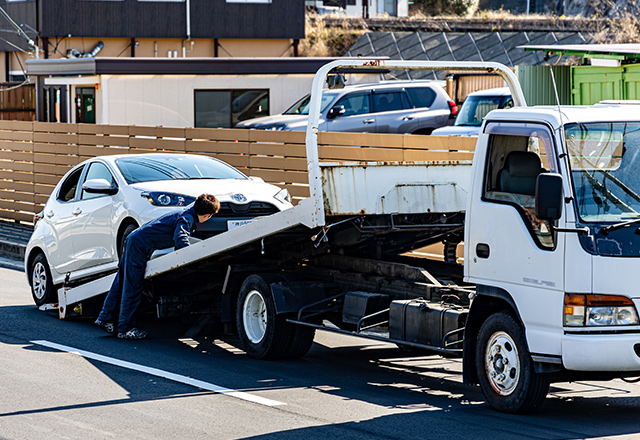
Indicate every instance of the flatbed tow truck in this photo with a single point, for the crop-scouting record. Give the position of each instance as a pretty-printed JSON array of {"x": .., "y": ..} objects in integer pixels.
[{"x": 545, "y": 292}]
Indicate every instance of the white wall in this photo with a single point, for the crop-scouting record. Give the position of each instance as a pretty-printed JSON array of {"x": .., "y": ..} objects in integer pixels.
[{"x": 168, "y": 100}]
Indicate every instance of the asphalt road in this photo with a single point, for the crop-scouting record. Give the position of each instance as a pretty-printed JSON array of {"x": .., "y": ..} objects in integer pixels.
[{"x": 345, "y": 388}]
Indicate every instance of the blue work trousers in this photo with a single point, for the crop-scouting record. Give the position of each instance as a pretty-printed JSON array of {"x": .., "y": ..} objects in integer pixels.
[{"x": 127, "y": 286}]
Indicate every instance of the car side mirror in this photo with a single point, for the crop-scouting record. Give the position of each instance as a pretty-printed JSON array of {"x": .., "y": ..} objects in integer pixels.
[
  {"x": 549, "y": 196},
  {"x": 99, "y": 186},
  {"x": 336, "y": 111}
]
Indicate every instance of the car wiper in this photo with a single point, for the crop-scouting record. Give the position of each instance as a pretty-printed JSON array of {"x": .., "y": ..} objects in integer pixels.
[{"x": 617, "y": 226}]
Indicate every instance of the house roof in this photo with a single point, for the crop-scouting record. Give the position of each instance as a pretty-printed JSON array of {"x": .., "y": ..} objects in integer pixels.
[
  {"x": 502, "y": 47},
  {"x": 177, "y": 66}
]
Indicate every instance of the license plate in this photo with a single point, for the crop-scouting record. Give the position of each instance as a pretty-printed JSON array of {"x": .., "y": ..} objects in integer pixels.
[{"x": 233, "y": 224}]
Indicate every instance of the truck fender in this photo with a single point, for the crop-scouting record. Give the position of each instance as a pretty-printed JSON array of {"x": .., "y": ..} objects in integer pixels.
[
  {"x": 488, "y": 300},
  {"x": 291, "y": 296}
]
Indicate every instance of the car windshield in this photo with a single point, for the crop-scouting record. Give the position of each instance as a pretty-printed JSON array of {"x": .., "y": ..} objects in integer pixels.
[
  {"x": 605, "y": 169},
  {"x": 174, "y": 167},
  {"x": 302, "y": 106},
  {"x": 475, "y": 108}
]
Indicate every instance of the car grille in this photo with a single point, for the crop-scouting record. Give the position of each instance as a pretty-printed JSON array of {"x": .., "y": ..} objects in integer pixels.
[{"x": 252, "y": 209}]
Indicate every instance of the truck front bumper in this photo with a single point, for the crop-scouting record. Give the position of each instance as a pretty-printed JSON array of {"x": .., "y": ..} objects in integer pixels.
[{"x": 589, "y": 352}]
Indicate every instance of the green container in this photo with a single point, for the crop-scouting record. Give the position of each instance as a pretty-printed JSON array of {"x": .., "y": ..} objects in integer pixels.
[{"x": 537, "y": 85}]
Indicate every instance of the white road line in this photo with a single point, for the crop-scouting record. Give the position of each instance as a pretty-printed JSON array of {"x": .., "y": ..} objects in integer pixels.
[{"x": 161, "y": 373}]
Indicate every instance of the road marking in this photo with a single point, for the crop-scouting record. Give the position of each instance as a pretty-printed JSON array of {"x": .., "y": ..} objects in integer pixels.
[{"x": 161, "y": 373}]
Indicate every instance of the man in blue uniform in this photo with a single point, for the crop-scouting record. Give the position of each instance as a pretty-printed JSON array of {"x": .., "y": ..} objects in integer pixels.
[{"x": 172, "y": 229}]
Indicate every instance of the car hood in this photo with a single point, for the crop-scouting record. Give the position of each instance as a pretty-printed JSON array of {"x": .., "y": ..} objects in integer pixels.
[
  {"x": 267, "y": 121},
  {"x": 457, "y": 131},
  {"x": 223, "y": 189}
]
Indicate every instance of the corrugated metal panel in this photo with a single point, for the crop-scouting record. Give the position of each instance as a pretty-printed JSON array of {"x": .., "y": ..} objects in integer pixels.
[
  {"x": 537, "y": 85},
  {"x": 594, "y": 84},
  {"x": 632, "y": 82},
  {"x": 460, "y": 85}
]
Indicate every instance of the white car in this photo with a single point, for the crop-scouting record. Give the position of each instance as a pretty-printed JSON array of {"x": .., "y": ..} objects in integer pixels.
[
  {"x": 83, "y": 226},
  {"x": 474, "y": 108}
]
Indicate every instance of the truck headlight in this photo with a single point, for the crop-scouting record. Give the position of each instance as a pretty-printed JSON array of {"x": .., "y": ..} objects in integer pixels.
[
  {"x": 167, "y": 199},
  {"x": 598, "y": 310}
]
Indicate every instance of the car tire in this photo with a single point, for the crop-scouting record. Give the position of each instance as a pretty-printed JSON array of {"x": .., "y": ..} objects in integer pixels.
[
  {"x": 42, "y": 289},
  {"x": 123, "y": 237},
  {"x": 505, "y": 368}
]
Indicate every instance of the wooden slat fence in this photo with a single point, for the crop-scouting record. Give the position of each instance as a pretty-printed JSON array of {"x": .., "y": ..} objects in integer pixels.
[{"x": 35, "y": 155}]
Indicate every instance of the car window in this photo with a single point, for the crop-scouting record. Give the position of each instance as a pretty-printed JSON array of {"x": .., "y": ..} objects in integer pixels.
[
  {"x": 302, "y": 106},
  {"x": 421, "y": 96},
  {"x": 174, "y": 167},
  {"x": 68, "y": 188},
  {"x": 355, "y": 104},
  {"x": 97, "y": 170},
  {"x": 390, "y": 101}
]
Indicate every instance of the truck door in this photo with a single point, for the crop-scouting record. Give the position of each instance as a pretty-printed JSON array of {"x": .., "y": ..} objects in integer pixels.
[{"x": 507, "y": 246}]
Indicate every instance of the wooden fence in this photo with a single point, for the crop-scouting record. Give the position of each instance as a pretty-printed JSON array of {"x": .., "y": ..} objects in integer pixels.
[{"x": 35, "y": 155}]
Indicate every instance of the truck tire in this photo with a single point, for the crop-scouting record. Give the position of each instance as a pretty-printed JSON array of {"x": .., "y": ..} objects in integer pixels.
[
  {"x": 42, "y": 289},
  {"x": 264, "y": 334},
  {"x": 505, "y": 369},
  {"x": 301, "y": 341}
]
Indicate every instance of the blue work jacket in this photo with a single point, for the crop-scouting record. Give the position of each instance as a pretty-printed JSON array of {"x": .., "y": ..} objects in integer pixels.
[{"x": 172, "y": 229}]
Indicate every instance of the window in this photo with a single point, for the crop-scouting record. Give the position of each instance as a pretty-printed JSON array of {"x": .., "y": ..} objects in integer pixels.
[
  {"x": 68, "y": 189},
  {"x": 225, "y": 108},
  {"x": 97, "y": 170},
  {"x": 389, "y": 101},
  {"x": 355, "y": 104},
  {"x": 518, "y": 153},
  {"x": 421, "y": 96}
]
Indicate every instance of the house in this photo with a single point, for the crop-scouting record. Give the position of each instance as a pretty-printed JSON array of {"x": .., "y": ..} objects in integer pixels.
[
  {"x": 146, "y": 28},
  {"x": 174, "y": 92},
  {"x": 366, "y": 8}
]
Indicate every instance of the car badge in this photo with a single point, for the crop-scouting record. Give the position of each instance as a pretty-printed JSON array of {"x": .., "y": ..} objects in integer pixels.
[{"x": 240, "y": 198}]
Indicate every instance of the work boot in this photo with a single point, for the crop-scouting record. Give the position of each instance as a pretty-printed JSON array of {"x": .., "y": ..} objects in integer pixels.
[
  {"x": 134, "y": 333},
  {"x": 106, "y": 326}
]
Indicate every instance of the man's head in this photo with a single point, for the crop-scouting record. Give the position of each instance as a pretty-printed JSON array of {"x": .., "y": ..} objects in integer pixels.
[{"x": 206, "y": 205}]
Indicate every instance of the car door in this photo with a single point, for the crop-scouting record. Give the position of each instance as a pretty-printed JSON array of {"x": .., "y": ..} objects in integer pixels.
[
  {"x": 393, "y": 112},
  {"x": 94, "y": 237},
  {"x": 352, "y": 113},
  {"x": 431, "y": 107},
  {"x": 60, "y": 216}
]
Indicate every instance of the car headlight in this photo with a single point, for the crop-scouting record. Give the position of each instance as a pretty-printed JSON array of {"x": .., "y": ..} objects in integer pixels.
[
  {"x": 598, "y": 310},
  {"x": 167, "y": 199},
  {"x": 283, "y": 196}
]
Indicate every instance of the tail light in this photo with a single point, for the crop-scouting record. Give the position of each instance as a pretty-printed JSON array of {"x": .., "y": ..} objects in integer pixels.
[{"x": 453, "y": 108}]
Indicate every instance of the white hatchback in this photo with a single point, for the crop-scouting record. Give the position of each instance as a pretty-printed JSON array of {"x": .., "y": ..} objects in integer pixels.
[{"x": 81, "y": 231}]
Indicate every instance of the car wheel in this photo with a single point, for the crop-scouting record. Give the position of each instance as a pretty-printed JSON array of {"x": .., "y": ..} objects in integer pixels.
[
  {"x": 123, "y": 237},
  {"x": 42, "y": 288},
  {"x": 505, "y": 368}
]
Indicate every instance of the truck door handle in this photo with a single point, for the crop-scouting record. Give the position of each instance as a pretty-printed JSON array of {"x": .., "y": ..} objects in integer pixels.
[
  {"x": 482, "y": 250},
  {"x": 77, "y": 211},
  {"x": 368, "y": 121}
]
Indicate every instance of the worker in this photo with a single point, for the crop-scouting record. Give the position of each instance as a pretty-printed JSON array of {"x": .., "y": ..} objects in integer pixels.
[{"x": 172, "y": 229}]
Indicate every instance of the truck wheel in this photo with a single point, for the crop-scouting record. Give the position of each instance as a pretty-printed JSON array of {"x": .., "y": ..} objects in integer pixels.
[
  {"x": 301, "y": 341},
  {"x": 264, "y": 334},
  {"x": 505, "y": 369},
  {"x": 42, "y": 288}
]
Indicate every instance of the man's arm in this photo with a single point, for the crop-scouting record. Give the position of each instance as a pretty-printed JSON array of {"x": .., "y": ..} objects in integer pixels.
[{"x": 183, "y": 231}]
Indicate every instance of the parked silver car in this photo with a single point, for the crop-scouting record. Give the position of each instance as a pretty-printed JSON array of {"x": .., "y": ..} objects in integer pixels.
[
  {"x": 416, "y": 107},
  {"x": 474, "y": 108}
]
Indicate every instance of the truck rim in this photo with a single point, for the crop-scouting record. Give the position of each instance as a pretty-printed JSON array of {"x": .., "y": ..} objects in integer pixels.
[
  {"x": 502, "y": 363},
  {"x": 39, "y": 280},
  {"x": 254, "y": 313}
]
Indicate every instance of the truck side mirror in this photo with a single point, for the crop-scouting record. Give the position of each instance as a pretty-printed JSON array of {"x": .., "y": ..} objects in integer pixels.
[
  {"x": 336, "y": 111},
  {"x": 549, "y": 197}
]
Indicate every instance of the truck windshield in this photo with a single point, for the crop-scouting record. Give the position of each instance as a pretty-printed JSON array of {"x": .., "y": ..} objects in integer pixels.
[
  {"x": 605, "y": 168},
  {"x": 302, "y": 106}
]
